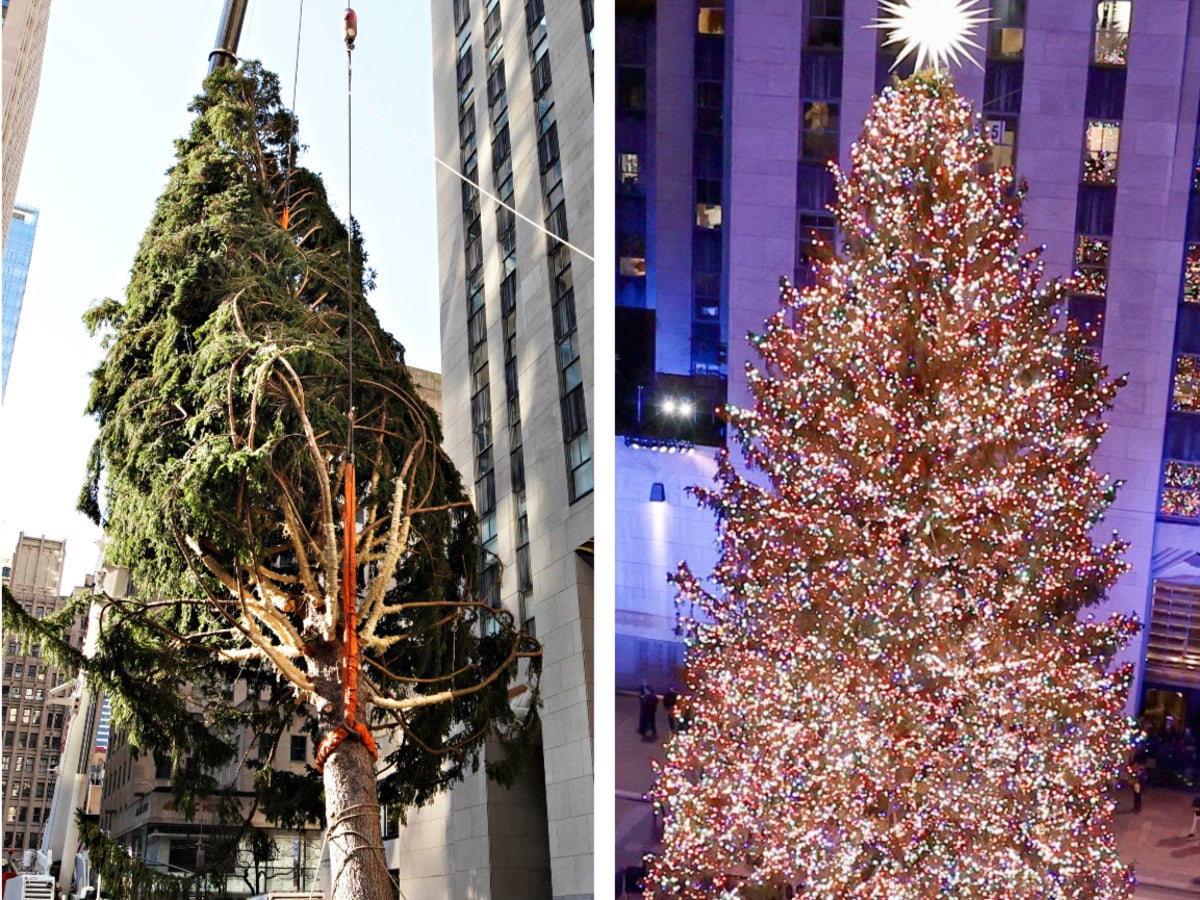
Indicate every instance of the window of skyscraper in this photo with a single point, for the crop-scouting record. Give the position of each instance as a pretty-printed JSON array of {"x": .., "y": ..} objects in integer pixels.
[
  {"x": 634, "y": 266},
  {"x": 712, "y": 17},
  {"x": 1003, "y": 134},
  {"x": 631, "y": 89},
  {"x": 824, "y": 26},
  {"x": 627, "y": 169},
  {"x": 1091, "y": 266},
  {"x": 1191, "y": 275},
  {"x": 708, "y": 203},
  {"x": 1105, "y": 97},
  {"x": 1006, "y": 32},
  {"x": 1112, "y": 32},
  {"x": 1102, "y": 142},
  {"x": 1181, "y": 489},
  {"x": 1002, "y": 88},
  {"x": 820, "y": 139},
  {"x": 1095, "y": 209},
  {"x": 1185, "y": 395}
]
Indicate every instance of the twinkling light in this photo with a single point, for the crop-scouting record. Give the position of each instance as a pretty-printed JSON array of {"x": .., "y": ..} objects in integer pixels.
[
  {"x": 894, "y": 690},
  {"x": 938, "y": 30}
]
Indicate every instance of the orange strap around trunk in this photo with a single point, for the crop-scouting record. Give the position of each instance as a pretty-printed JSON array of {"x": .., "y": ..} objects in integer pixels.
[{"x": 350, "y": 725}]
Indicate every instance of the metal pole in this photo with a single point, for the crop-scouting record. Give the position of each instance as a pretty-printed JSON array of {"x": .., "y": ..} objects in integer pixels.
[{"x": 228, "y": 34}]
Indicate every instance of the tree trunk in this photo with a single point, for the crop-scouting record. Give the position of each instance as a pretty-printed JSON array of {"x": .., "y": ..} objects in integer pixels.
[{"x": 358, "y": 870}]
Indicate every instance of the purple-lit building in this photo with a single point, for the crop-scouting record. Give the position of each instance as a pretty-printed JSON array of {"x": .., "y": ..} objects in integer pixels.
[{"x": 727, "y": 113}]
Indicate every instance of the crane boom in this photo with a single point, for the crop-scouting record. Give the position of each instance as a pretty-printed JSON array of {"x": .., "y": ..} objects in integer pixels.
[{"x": 229, "y": 32}]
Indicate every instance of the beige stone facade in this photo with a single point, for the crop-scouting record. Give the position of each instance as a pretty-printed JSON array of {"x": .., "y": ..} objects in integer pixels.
[
  {"x": 25, "y": 25},
  {"x": 513, "y": 108}
]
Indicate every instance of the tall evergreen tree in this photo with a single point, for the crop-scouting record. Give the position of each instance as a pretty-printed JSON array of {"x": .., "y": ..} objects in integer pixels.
[
  {"x": 218, "y": 474},
  {"x": 893, "y": 691}
]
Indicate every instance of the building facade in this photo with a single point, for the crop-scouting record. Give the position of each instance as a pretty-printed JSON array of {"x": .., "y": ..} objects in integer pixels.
[
  {"x": 18, "y": 252},
  {"x": 24, "y": 40},
  {"x": 1094, "y": 103},
  {"x": 139, "y": 810},
  {"x": 513, "y": 112},
  {"x": 33, "y": 726}
]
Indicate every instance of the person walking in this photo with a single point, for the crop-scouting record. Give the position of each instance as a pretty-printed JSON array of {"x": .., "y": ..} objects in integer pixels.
[
  {"x": 647, "y": 713},
  {"x": 670, "y": 699},
  {"x": 1195, "y": 815}
]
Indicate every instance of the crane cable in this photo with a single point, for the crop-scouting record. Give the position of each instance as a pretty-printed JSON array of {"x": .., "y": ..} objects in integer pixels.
[
  {"x": 350, "y": 726},
  {"x": 287, "y": 172},
  {"x": 472, "y": 183}
]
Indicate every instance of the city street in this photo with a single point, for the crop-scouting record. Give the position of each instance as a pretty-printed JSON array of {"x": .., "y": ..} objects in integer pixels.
[{"x": 1155, "y": 840}]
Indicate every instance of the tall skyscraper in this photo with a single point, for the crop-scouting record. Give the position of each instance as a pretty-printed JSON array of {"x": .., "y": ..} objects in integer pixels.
[
  {"x": 1094, "y": 103},
  {"x": 18, "y": 251},
  {"x": 513, "y": 113},
  {"x": 24, "y": 40},
  {"x": 32, "y": 728}
]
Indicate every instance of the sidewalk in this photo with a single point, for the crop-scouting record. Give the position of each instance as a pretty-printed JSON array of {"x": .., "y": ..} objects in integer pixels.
[
  {"x": 636, "y": 830},
  {"x": 1154, "y": 841}
]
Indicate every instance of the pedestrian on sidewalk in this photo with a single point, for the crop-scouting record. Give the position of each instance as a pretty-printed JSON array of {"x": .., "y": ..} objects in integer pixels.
[
  {"x": 647, "y": 713},
  {"x": 1136, "y": 781},
  {"x": 670, "y": 699},
  {"x": 1195, "y": 815}
]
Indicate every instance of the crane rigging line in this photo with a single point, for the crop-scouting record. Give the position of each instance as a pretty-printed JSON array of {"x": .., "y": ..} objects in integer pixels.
[
  {"x": 459, "y": 175},
  {"x": 287, "y": 173},
  {"x": 349, "y": 726},
  {"x": 350, "y": 242}
]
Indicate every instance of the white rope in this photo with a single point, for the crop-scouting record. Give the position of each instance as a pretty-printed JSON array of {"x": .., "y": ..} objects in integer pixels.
[{"x": 464, "y": 178}]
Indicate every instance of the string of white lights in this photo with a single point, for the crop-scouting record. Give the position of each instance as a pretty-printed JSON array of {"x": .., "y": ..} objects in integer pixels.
[{"x": 462, "y": 177}]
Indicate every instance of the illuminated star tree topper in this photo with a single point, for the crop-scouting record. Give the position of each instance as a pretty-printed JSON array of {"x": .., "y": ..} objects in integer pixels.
[{"x": 936, "y": 30}]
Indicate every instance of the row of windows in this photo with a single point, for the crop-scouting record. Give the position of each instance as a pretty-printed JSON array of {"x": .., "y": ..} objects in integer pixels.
[
  {"x": 473, "y": 256},
  {"x": 589, "y": 24},
  {"x": 506, "y": 230},
  {"x": 14, "y": 693},
  {"x": 24, "y": 814},
  {"x": 1104, "y": 106},
  {"x": 576, "y": 441},
  {"x": 1180, "y": 492},
  {"x": 508, "y": 303},
  {"x": 24, "y": 740},
  {"x": 18, "y": 671},
  {"x": 32, "y": 716},
  {"x": 21, "y": 762},
  {"x": 37, "y": 790},
  {"x": 38, "y": 611},
  {"x": 820, "y": 123},
  {"x": 708, "y": 353},
  {"x": 17, "y": 841},
  {"x": 631, "y": 42},
  {"x": 1004, "y": 81}
]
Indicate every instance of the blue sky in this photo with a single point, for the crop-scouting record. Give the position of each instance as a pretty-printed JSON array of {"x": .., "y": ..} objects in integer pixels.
[{"x": 117, "y": 78}]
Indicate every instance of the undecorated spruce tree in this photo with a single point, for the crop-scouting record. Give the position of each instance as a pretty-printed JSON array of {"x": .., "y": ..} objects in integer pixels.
[
  {"x": 895, "y": 688},
  {"x": 219, "y": 474}
]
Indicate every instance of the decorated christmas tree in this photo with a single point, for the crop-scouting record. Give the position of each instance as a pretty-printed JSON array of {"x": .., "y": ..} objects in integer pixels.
[{"x": 896, "y": 690}]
